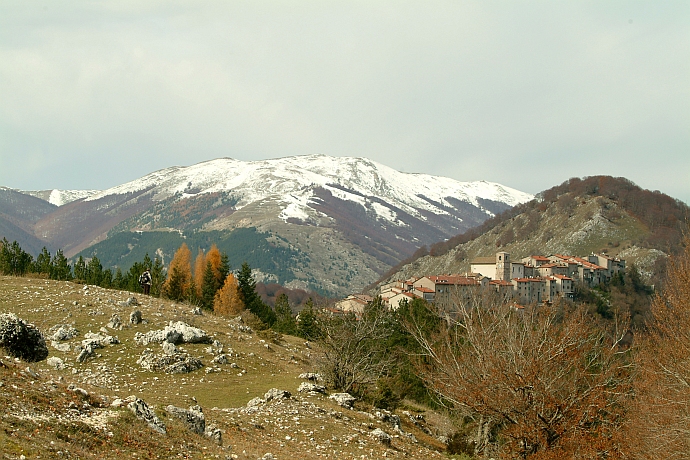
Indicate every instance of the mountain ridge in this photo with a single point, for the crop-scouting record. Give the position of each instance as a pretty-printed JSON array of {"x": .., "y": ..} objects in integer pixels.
[{"x": 348, "y": 219}]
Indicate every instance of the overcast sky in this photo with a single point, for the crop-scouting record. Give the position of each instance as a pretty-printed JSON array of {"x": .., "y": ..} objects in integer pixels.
[{"x": 528, "y": 94}]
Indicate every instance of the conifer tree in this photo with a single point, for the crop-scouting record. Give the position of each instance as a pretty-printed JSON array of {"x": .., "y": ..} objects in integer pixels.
[
  {"x": 94, "y": 272},
  {"x": 209, "y": 287},
  {"x": 119, "y": 280},
  {"x": 224, "y": 267},
  {"x": 251, "y": 299},
  {"x": 157, "y": 277},
  {"x": 227, "y": 301},
  {"x": 80, "y": 269},
  {"x": 13, "y": 259},
  {"x": 285, "y": 322},
  {"x": 43, "y": 262},
  {"x": 214, "y": 257},
  {"x": 307, "y": 322},
  {"x": 61, "y": 269}
]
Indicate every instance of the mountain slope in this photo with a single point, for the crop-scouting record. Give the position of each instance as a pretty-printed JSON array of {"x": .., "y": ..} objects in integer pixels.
[
  {"x": 18, "y": 215},
  {"x": 347, "y": 220},
  {"x": 596, "y": 214},
  {"x": 60, "y": 197}
]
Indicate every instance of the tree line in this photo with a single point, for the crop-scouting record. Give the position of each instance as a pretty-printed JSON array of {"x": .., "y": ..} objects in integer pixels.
[{"x": 211, "y": 285}]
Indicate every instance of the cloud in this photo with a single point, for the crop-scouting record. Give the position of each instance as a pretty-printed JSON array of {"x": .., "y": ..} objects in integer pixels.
[{"x": 526, "y": 94}]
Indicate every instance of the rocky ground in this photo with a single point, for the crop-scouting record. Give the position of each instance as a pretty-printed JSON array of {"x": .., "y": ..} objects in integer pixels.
[{"x": 213, "y": 388}]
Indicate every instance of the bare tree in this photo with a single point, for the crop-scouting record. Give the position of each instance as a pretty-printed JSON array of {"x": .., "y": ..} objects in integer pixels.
[
  {"x": 660, "y": 424},
  {"x": 354, "y": 352},
  {"x": 542, "y": 383}
]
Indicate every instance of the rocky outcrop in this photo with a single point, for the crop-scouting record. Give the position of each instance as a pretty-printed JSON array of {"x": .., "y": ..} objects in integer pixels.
[
  {"x": 21, "y": 340},
  {"x": 176, "y": 333},
  {"x": 343, "y": 399},
  {"x": 143, "y": 412},
  {"x": 135, "y": 317},
  {"x": 275, "y": 393},
  {"x": 381, "y": 436},
  {"x": 178, "y": 363},
  {"x": 63, "y": 332},
  {"x": 308, "y": 387},
  {"x": 130, "y": 302},
  {"x": 193, "y": 418},
  {"x": 115, "y": 322}
]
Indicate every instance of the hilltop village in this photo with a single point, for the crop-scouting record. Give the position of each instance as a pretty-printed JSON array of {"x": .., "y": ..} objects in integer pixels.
[{"x": 533, "y": 279}]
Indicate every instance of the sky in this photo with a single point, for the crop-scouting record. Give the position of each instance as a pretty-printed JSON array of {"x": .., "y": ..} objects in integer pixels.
[{"x": 94, "y": 94}]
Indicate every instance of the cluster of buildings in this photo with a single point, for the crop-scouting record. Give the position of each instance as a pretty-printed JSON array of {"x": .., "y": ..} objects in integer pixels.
[{"x": 533, "y": 279}]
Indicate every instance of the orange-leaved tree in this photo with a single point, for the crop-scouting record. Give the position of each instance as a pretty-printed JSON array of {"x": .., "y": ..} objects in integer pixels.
[
  {"x": 199, "y": 266},
  {"x": 542, "y": 383},
  {"x": 228, "y": 301},
  {"x": 176, "y": 287},
  {"x": 659, "y": 427}
]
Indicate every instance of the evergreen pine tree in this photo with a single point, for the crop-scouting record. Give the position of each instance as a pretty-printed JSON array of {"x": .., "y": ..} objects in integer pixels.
[
  {"x": 251, "y": 299},
  {"x": 94, "y": 272},
  {"x": 80, "y": 269},
  {"x": 224, "y": 268},
  {"x": 157, "y": 277},
  {"x": 285, "y": 322},
  {"x": 43, "y": 263},
  {"x": 119, "y": 280},
  {"x": 209, "y": 287},
  {"x": 307, "y": 322},
  {"x": 13, "y": 259},
  {"x": 61, "y": 269}
]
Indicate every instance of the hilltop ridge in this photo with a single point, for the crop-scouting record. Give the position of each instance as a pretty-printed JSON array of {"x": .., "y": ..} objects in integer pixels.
[{"x": 581, "y": 216}]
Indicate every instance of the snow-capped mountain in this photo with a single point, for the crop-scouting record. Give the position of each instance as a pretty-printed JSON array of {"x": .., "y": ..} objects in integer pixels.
[
  {"x": 338, "y": 223},
  {"x": 293, "y": 180}
]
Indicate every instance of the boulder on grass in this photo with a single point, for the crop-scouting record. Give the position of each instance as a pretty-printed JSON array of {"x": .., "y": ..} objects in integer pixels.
[
  {"x": 21, "y": 340},
  {"x": 143, "y": 412},
  {"x": 193, "y": 418}
]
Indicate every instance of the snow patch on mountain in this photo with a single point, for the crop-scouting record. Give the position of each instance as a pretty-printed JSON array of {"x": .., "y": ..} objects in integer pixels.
[{"x": 61, "y": 197}]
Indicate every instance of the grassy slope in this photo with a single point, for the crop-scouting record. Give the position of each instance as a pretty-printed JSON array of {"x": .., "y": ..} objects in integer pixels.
[{"x": 37, "y": 418}]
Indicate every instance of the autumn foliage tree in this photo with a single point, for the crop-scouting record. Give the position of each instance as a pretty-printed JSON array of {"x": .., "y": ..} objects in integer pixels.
[
  {"x": 660, "y": 425},
  {"x": 177, "y": 286},
  {"x": 227, "y": 301},
  {"x": 543, "y": 383}
]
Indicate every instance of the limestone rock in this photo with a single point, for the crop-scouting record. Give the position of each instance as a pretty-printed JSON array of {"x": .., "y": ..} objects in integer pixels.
[
  {"x": 308, "y": 387},
  {"x": 115, "y": 322},
  {"x": 214, "y": 433},
  {"x": 275, "y": 393},
  {"x": 176, "y": 333},
  {"x": 56, "y": 363},
  {"x": 135, "y": 317},
  {"x": 63, "y": 332},
  {"x": 254, "y": 402},
  {"x": 64, "y": 347},
  {"x": 179, "y": 363},
  {"x": 311, "y": 376},
  {"x": 169, "y": 348},
  {"x": 381, "y": 436},
  {"x": 343, "y": 399},
  {"x": 142, "y": 411},
  {"x": 130, "y": 302},
  {"x": 220, "y": 359},
  {"x": 21, "y": 340},
  {"x": 193, "y": 418}
]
